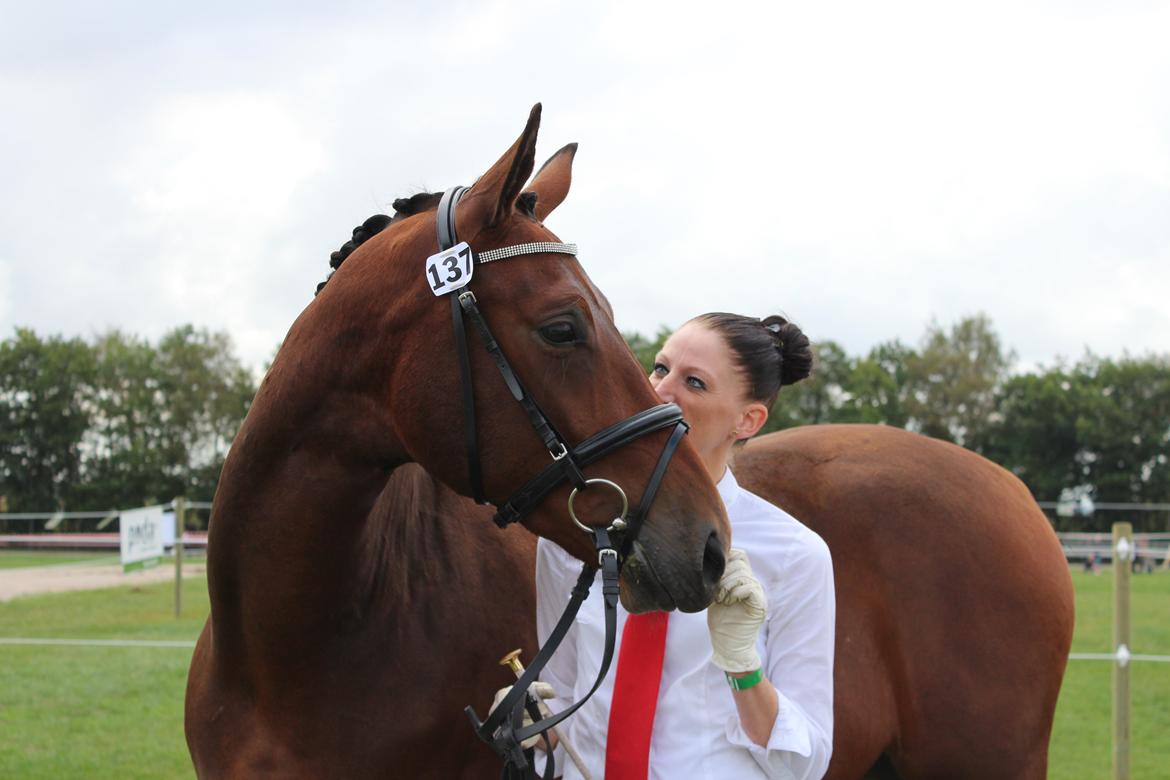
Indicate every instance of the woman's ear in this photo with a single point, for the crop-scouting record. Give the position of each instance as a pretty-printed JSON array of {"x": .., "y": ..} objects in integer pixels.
[{"x": 751, "y": 420}]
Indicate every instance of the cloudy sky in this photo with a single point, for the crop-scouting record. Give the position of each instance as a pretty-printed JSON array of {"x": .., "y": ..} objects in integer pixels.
[{"x": 863, "y": 167}]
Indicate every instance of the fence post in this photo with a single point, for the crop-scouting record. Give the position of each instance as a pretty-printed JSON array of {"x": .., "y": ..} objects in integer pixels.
[
  {"x": 1122, "y": 555},
  {"x": 180, "y": 512}
]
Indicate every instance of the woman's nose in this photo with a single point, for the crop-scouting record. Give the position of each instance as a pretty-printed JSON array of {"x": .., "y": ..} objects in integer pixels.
[{"x": 662, "y": 387}]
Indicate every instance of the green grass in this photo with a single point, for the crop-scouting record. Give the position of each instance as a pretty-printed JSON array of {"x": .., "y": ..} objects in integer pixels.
[
  {"x": 118, "y": 712},
  {"x": 18, "y": 559},
  {"x": 1081, "y": 739},
  {"x": 97, "y": 712}
]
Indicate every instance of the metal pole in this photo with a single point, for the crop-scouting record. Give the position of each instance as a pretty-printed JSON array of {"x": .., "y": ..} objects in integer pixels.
[
  {"x": 1122, "y": 555},
  {"x": 180, "y": 510}
]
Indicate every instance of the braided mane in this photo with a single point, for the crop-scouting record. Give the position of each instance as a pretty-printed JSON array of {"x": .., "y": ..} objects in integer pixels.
[{"x": 403, "y": 208}]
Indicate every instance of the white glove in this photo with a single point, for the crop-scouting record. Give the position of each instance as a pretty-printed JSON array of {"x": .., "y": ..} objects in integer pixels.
[
  {"x": 542, "y": 691},
  {"x": 735, "y": 616}
]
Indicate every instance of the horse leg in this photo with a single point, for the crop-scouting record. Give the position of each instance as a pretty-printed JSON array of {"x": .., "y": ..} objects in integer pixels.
[
  {"x": 882, "y": 770},
  {"x": 865, "y": 719}
]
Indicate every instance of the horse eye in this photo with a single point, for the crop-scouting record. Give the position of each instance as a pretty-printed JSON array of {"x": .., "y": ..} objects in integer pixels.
[{"x": 559, "y": 333}]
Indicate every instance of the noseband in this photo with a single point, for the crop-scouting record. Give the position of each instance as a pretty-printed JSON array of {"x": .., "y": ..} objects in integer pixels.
[{"x": 503, "y": 729}]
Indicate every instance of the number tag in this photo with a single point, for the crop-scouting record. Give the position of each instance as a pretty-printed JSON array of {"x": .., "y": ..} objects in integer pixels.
[{"x": 450, "y": 269}]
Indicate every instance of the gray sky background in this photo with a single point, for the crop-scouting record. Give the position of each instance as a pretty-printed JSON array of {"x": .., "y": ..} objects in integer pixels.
[{"x": 863, "y": 167}]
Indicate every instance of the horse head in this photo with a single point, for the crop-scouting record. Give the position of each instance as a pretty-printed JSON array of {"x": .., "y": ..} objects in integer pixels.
[{"x": 558, "y": 333}]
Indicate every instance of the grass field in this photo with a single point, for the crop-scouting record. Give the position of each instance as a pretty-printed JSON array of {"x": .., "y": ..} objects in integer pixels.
[
  {"x": 118, "y": 712},
  {"x": 18, "y": 559},
  {"x": 97, "y": 712}
]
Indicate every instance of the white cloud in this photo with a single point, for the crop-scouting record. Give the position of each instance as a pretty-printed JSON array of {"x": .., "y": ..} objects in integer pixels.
[{"x": 862, "y": 166}]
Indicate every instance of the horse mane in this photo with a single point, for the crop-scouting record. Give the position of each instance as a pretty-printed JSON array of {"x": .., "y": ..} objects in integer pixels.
[{"x": 403, "y": 208}]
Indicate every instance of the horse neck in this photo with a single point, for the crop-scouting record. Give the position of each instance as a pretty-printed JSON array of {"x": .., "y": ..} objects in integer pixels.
[{"x": 311, "y": 459}]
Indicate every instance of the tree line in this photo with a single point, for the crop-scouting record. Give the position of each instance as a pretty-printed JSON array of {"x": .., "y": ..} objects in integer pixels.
[
  {"x": 119, "y": 421},
  {"x": 1096, "y": 426},
  {"x": 116, "y": 421}
]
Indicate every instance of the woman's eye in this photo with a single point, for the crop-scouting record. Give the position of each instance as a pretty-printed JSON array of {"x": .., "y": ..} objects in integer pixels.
[
  {"x": 559, "y": 333},
  {"x": 660, "y": 370},
  {"x": 696, "y": 383}
]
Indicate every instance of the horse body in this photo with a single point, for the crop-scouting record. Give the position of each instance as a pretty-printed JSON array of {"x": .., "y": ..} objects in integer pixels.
[{"x": 954, "y": 601}]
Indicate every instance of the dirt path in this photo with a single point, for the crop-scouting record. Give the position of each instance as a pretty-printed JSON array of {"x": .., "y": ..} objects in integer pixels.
[{"x": 81, "y": 576}]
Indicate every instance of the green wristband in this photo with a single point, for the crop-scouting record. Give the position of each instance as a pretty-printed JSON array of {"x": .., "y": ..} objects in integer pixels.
[{"x": 743, "y": 683}]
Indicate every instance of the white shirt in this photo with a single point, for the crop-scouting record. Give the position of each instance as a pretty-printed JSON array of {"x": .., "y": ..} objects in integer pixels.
[{"x": 697, "y": 733}]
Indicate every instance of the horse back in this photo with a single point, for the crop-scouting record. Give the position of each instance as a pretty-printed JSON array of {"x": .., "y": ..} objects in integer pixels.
[{"x": 954, "y": 600}]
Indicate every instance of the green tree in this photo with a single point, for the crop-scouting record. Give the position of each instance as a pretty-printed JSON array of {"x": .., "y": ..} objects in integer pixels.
[
  {"x": 644, "y": 349},
  {"x": 821, "y": 397},
  {"x": 952, "y": 380},
  {"x": 164, "y": 416},
  {"x": 1123, "y": 428},
  {"x": 1034, "y": 431},
  {"x": 127, "y": 458},
  {"x": 1099, "y": 428},
  {"x": 873, "y": 389},
  {"x": 206, "y": 393},
  {"x": 45, "y": 385}
]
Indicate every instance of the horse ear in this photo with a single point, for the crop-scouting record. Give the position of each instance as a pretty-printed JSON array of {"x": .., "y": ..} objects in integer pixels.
[
  {"x": 552, "y": 181},
  {"x": 492, "y": 198}
]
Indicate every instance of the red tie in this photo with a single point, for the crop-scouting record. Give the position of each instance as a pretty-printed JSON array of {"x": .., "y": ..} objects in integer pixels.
[{"x": 635, "y": 696}]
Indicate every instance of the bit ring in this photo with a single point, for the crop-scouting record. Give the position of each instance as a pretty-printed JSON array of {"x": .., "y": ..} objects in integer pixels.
[{"x": 619, "y": 522}]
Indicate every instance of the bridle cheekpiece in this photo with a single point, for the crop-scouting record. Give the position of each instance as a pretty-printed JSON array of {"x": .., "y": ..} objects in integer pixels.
[{"x": 503, "y": 729}]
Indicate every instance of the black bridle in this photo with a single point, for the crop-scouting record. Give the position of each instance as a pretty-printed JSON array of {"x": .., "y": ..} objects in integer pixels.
[{"x": 503, "y": 729}]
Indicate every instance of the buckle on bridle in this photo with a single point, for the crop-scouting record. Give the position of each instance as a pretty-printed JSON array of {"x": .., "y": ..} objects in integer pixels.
[
  {"x": 559, "y": 456},
  {"x": 603, "y": 552}
]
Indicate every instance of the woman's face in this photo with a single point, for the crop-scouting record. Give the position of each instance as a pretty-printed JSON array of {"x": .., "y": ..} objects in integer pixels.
[{"x": 695, "y": 371}]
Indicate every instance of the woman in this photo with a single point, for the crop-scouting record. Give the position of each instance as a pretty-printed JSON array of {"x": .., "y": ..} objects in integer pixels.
[{"x": 746, "y": 688}]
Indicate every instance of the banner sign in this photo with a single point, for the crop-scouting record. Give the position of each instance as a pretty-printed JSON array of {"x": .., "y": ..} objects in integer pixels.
[{"x": 141, "y": 536}]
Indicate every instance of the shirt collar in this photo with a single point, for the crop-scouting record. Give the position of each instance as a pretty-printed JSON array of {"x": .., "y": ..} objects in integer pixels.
[{"x": 727, "y": 487}]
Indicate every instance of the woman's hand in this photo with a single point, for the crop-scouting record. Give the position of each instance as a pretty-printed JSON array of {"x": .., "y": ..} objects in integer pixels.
[
  {"x": 541, "y": 690},
  {"x": 735, "y": 616},
  {"x": 734, "y": 620}
]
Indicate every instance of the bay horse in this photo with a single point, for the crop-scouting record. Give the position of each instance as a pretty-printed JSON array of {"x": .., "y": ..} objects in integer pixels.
[
  {"x": 357, "y": 604},
  {"x": 954, "y": 600}
]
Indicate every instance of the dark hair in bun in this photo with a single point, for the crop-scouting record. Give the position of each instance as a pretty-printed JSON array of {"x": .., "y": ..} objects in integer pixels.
[{"x": 772, "y": 352}]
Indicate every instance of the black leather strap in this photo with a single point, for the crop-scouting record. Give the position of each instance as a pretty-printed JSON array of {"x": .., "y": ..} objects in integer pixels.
[
  {"x": 445, "y": 224},
  {"x": 470, "y": 436},
  {"x": 552, "y": 440},
  {"x": 445, "y": 228},
  {"x": 503, "y": 729},
  {"x": 589, "y": 451},
  {"x": 634, "y": 525}
]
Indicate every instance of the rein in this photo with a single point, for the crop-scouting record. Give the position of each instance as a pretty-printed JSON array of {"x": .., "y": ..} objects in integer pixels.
[{"x": 503, "y": 729}]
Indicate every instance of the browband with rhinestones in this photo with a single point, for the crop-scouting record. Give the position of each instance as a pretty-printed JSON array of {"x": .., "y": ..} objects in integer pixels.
[{"x": 535, "y": 248}]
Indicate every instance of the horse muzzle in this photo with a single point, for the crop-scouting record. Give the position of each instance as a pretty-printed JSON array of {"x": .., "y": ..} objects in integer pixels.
[{"x": 675, "y": 579}]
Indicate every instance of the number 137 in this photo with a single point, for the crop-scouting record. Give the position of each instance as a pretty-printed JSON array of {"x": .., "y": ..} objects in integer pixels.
[{"x": 454, "y": 272}]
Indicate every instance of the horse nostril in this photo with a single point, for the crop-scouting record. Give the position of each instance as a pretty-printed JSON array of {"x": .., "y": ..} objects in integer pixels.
[{"x": 713, "y": 562}]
